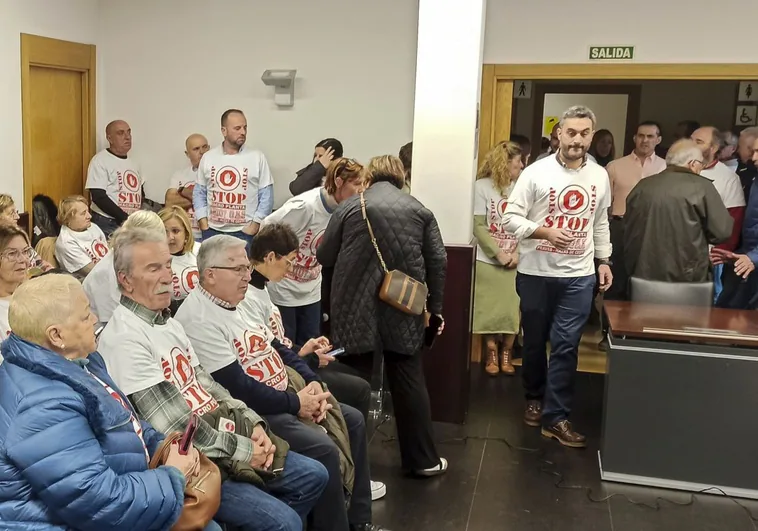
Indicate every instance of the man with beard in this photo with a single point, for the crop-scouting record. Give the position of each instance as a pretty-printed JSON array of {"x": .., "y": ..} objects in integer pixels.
[
  {"x": 234, "y": 190},
  {"x": 559, "y": 209}
]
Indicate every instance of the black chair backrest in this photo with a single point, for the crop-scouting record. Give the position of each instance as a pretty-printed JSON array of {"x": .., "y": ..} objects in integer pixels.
[{"x": 674, "y": 293}]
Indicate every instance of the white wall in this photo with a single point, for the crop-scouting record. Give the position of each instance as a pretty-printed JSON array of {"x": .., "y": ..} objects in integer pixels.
[
  {"x": 72, "y": 20},
  {"x": 546, "y": 31},
  {"x": 173, "y": 66}
]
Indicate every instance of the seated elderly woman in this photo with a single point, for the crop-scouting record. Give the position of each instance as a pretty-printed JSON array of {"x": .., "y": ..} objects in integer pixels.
[
  {"x": 8, "y": 212},
  {"x": 81, "y": 244},
  {"x": 72, "y": 453},
  {"x": 183, "y": 249},
  {"x": 15, "y": 256}
]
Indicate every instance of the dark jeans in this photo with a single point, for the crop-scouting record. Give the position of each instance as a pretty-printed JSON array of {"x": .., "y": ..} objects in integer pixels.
[
  {"x": 410, "y": 401},
  {"x": 329, "y": 513},
  {"x": 552, "y": 309},
  {"x": 291, "y": 497},
  {"x": 239, "y": 234},
  {"x": 738, "y": 293},
  {"x": 106, "y": 224},
  {"x": 619, "y": 290},
  {"x": 301, "y": 323},
  {"x": 347, "y": 386}
]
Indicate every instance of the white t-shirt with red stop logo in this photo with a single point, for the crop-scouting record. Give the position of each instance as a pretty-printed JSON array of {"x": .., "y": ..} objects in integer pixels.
[
  {"x": 232, "y": 183},
  {"x": 549, "y": 195},
  {"x": 221, "y": 337},
  {"x": 257, "y": 308},
  {"x": 120, "y": 178},
  {"x": 140, "y": 355},
  {"x": 187, "y": 178},
  {"x": 489, "y": 203},
  {"x": 308, "y": 216},
  {"x": 75, "y": 250},
  {"x": 184, "y": 273}
]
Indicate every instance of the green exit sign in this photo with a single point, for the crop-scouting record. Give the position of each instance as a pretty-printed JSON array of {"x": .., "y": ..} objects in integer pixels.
[{"x": 611, "y": 53}]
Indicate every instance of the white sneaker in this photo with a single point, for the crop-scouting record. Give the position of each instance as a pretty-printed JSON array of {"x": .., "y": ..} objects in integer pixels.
[
  {"x": 378, "y": 490},
  {"x": 434, "y": 471}
]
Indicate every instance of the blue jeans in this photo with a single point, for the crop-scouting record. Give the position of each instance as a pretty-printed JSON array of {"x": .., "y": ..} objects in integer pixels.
[
  {"x": 291, "y": 497},
  {"x": 212, "y": 526},
  {"x": 239, "y": 234},
  {"x": 552, "y": 309},
  {"x": 717, "y": 285},
  {"x": 301, "y": 323},
  {"x": 106, "y": 224}
]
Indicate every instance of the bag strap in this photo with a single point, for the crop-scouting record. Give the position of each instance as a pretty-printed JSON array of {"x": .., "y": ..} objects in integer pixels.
[{"x": 371, "y": 233}]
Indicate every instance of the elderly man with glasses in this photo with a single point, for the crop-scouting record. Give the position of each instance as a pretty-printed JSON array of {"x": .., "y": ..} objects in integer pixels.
[
  {"x": 152, "y": 361},
  {"x": 244, "y": 357}
]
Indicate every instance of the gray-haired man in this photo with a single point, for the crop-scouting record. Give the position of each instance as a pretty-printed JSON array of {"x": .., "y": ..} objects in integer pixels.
[{"x": 559, "y": 209}]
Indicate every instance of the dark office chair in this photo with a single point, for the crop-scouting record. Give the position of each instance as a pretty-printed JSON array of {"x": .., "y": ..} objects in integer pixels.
[{"x": 674, "y": 293}]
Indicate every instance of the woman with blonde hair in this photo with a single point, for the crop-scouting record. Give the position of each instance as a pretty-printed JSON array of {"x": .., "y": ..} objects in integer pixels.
[
  {"x": 183, "y": 249},
  {"x": 8, "y": 212},
  {"x": 298, "y": 295},
  {"x": 496, "y": 304},
  {"x": 409, "y": 239},
  {"x": 81, "y": 244}
]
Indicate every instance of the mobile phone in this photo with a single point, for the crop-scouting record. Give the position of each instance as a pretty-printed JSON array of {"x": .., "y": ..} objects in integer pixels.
[
  {"x": 188, "y": 435},
  {"x": 336, "y": 352}
]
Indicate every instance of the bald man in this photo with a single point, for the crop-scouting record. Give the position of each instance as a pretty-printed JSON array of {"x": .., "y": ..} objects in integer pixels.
[
  {"x": 114, "y": 180},
  {"x": 183, "y": 181}
]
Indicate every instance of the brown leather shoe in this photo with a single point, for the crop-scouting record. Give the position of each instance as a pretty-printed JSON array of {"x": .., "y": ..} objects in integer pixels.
[
  {"x": 505, "y": 363},
  {"x": 491, "y": 366},
  {"x": 533, "y": 413},
  {"x": 565, "y": 434}
]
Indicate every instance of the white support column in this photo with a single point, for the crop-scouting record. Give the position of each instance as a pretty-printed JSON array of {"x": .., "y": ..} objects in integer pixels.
[{"x": 448, "y": 80}]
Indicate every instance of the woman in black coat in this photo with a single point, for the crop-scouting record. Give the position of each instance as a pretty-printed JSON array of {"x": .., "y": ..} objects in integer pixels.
[{"x": 409, "y": 239}]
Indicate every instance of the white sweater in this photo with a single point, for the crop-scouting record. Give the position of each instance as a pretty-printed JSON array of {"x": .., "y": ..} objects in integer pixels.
[{"x": 549, "y": 195}]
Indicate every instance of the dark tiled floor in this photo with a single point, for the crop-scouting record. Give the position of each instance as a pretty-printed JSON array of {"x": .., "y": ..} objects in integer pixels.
[{"x": 491, "y": 487}]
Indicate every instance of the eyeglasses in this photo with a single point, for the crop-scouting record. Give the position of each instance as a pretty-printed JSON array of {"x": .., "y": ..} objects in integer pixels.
[
  {"x": 290, "y": 263},
  {"x": 240, "y": 270},
  {"x": 18, "y": 255}
]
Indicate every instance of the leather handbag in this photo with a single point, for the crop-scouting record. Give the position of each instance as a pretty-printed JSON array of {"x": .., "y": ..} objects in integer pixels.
[
  {"x": 202, "y": 494},
  {"x": 399, "y": 290}
]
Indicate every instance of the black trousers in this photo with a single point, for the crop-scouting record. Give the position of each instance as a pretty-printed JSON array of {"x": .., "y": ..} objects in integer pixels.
[
  {"x": 347, "y": 386},
  {"x": 410, "y": 401},
  {"x": 619, "y": 290},
  {"x": 738, "y": 293},
  {"x": 329, "y": 513}
]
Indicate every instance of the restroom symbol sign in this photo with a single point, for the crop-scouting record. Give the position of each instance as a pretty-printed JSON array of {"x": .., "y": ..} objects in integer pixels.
[
  {"x": 748, "y": 91},
  {"x": 522, "y": 89}
]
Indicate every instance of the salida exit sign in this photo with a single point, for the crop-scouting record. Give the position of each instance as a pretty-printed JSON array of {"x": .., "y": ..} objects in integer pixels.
[{"x": 611, "y": 53}]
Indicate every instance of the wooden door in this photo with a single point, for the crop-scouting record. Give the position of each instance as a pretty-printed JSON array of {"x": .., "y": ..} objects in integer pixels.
[
  {"x": 58, "y": 115},
  {"x": 55, "y": 120}
]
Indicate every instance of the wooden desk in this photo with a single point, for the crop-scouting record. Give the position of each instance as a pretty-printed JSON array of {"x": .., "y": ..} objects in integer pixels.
[{"x": 681, "y": 395}]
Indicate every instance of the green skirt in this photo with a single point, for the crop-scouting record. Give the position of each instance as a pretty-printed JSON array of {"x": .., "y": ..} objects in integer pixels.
[{"x": 496, "y": 304}]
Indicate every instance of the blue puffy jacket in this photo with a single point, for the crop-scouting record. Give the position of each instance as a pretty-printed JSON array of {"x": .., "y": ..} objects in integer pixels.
[{"x": 69, "y": 456}]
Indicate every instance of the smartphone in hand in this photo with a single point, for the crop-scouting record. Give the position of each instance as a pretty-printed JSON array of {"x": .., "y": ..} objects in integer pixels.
[{"x": 186, "y": 440}]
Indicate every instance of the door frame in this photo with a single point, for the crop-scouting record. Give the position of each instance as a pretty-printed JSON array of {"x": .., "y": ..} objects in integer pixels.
[
  {"x": 44, "y": 52},
  {"x": 498, "y": 79}
]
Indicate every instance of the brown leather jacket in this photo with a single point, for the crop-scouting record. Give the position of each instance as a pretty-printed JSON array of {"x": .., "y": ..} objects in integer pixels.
[{"x": 670, "y": 220}]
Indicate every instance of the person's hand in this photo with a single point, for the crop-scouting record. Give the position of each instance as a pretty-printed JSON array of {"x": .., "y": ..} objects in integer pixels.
[
  {"x": 261, "y": 438},
  {"x": 743, "y": 266},
  {"x": 324, "y": 408},
  {"x": 202, "y": 223},
  {"x": 45, "y": 266},
  {"x": 721, "y": 256},
  {"x": 310, "y": 402},
  {"x": 506, "y": 259},
  {"x": 560, "y": 238},
  {"x": 315, "y": 344},
  {"x": 326, "y": 158},
  {"x": 188, "y": 464},
  {"x": 606, "y": 277},
  {"x": 252, "y": 228}
]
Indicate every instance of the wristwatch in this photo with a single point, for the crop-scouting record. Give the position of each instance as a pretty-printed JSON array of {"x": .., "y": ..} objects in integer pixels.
[{"x": 604, "y": 261}]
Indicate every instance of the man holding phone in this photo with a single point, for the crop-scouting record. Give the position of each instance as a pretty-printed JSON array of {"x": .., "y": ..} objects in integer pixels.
[{"x": 558, "y": 209}]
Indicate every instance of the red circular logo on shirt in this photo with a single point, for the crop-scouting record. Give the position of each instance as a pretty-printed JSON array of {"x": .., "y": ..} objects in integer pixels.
[
  {"x": 131, "y": 181},
  {"x": 573, "y": 200},
  {"x": 99, "y": 248},
  {"x": 229, "y": 426},
  {"x": 501, "y": 206},
  {"x": 190, "y": 277},
  {"x": 316, "y": 242},
  {"x": 228, "y": 178}
]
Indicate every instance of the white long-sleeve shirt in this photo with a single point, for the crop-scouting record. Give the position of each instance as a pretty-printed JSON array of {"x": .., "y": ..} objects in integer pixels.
[{"x": 549, "y": 195}]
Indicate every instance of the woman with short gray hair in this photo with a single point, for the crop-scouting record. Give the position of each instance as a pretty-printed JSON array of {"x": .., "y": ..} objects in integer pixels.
[{"x": 73, "y": 454}]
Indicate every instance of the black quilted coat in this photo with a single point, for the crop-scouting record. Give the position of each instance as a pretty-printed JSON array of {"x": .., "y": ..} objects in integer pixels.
[{"x": 410, "y": 241}]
